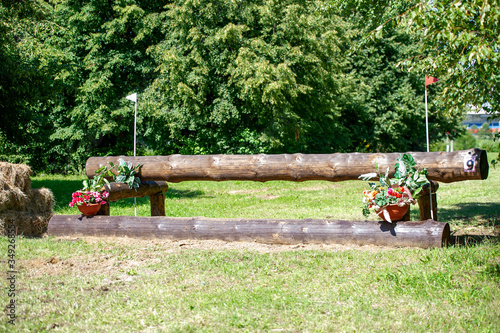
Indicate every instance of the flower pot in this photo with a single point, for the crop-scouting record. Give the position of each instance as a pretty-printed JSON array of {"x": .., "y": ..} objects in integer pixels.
[
  {"x": 89, "y": 209},
  {"x": 396, "y": 212}
]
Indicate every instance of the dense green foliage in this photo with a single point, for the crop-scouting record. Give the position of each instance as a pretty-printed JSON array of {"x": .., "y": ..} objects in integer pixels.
[
  {"x": 384, "y": 110},
  {"x": 249, "y": 76},
  {"x": 460, "y": 45},
  {"x": 220, "y": 76}
]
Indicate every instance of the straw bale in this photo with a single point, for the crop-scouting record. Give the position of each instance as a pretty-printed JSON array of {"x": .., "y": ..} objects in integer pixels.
[
  {"x": 13, "y": 199},
  {"x": 15, "y": 175},
  {"x": 29, "y": 210},
  {"x": 40, "y": 201},
  {"x": 27, "y": 224}
]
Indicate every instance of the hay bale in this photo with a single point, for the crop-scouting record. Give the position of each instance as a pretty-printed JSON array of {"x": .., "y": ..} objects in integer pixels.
[
  {"x": 40, "y": 201},
  {"x": 29, "y": 210},
  {"x": 26, "y": 223},
  {"x": 15, "y": 176},
  {"x": 13, "y": 199}
]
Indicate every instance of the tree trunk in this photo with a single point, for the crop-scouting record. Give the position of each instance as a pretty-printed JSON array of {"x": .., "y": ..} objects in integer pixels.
[
  {"x": 425, "y": 234},
  {"x": 444, "y": 167}
]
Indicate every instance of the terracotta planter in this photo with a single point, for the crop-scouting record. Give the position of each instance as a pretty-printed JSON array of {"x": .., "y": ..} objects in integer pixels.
[
  {"x": 396, "y": 212},
  {"x": 90, "y": 209}
]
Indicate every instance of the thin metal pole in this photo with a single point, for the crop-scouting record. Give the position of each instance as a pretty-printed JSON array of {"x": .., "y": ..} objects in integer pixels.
[
  {"x": 135, "y": 133},
  {"x": 426, "y": 121},
  {"x": 135, "y": 124},
  {"x": 427, "y": 137}
]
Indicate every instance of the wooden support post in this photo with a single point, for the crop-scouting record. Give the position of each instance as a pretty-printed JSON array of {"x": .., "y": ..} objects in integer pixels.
[
  {"x": 407, "y": 217},
  {"x": 153, "y": 189},
  {"x": 424, "y": 202},
  {"x": 157, "y": 204},
  {"x": 425, "y": 234},
  {"x": 104, "y": 210}
]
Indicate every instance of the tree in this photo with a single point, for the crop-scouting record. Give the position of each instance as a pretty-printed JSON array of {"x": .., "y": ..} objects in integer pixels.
[
  {"x": 249, "y": 76},
  {"x": 460, "y": 45},
  {"x": 105, "y": 45},
  {"x": 386, "y": 111}
]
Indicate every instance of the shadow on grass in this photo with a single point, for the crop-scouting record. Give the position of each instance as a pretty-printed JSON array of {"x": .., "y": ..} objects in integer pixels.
[
  {"x": 484, "y": 214},
  {"x": 178, "y": 194},
  {"x": 63, "y": 188},
  {"x": 470, "y": 240},
  {"x": 472, "y": 215}
]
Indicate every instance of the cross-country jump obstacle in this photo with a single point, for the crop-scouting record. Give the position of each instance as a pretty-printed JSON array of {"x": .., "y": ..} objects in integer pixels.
[{"x": 156, "y": 171}]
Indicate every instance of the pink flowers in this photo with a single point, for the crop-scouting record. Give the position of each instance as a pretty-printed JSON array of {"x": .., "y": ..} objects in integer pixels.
[{"x": 86, "y": 198}]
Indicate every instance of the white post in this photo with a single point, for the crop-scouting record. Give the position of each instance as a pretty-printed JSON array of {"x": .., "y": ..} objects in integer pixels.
[
  {"x": 426, "y": 121},
  {"x": 427, "y": 136},
  {"x": 133, "y": 98},
  {"x": 135, "y": 135},
  {"x": 135, "y": 124}
]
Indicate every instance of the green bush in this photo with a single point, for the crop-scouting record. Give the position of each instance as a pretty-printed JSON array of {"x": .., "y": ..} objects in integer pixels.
[{"x": 489, "y": 145}]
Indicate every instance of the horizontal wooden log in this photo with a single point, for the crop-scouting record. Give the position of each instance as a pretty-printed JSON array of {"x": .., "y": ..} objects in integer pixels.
[
  {"x": 425, "y": 234},
  {"x": 442, "y": 166},
  {"x": 119, "y": 191}
]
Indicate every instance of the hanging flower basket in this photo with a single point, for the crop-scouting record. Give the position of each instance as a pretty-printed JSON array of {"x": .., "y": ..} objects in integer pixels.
[
  {"x": 89, "y": 209},
  {"x": 394, "y": 211},
  {"x": 390, "y": 198}
]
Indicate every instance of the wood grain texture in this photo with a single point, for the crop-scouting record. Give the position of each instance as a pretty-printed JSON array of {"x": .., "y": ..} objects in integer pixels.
[
  {"x": 424, "y": 202},
  {"x": 424, "y": 234},
  {"x": 119, "y": 191},
  {"x": 442, "y": 166},
  {"x": 157, "y": 202}
]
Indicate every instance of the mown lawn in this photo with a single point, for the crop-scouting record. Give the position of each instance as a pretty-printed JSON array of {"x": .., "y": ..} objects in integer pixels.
[{"x": 152, "y": 285}]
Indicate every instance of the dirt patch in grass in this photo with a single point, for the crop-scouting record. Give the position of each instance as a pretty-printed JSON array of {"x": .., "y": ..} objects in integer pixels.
[
  {"x": 116, "y": 257},
  {"x": 266, "y": 196},
  {"x": 180, "y": 245},
  {"x": 318, "y": 187},
  {"x": 247, "y": 191}
]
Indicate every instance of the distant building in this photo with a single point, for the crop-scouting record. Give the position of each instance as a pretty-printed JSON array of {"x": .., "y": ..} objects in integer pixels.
[{"x": 479, "y": 118}]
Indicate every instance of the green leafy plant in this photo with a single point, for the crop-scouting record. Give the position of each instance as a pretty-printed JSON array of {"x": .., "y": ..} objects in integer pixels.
[
  {"x": 127, "y": 173},
  {"x": 401, "y": 190},
  {"x": 93, "y": 189},
  {"x": 495, "y": 161},
  {"x": 98, "y": 181}
]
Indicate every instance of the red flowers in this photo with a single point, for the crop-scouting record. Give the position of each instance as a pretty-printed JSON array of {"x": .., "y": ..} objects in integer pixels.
[
  {"x": 395, "y": 193},
  {"x": 87, "y": 197}
]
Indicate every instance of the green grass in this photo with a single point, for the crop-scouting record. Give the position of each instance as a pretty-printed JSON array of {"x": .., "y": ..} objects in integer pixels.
[{"x": 152, "y": 285}]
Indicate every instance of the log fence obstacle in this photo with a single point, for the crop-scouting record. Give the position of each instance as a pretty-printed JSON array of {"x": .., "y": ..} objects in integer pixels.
[{"x": 156, "y": 171}]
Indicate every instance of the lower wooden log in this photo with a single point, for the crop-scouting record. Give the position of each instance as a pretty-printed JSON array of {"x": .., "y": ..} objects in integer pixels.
[{"x": 425, "y": 234}]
